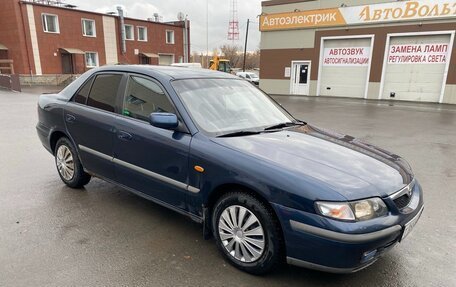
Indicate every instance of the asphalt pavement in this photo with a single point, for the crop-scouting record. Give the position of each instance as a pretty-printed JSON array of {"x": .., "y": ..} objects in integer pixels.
[{"x": 51, "y": 235}]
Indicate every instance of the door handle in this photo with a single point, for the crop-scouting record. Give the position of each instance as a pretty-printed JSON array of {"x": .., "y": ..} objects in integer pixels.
[
  {"x": 124, "y": 136},
  {"x": 70, "y": 118}
]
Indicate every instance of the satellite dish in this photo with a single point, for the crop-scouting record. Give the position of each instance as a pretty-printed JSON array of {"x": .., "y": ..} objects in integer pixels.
[{"x": 180, "y": 16}]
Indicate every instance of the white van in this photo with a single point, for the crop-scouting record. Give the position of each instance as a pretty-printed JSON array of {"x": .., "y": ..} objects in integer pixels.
[{"x": 188, "y": 65}]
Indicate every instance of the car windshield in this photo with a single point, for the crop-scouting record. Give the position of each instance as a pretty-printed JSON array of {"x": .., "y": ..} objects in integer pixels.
[
  {"x": 252, "y": 75},
  {"x": 224, "y": 106}
]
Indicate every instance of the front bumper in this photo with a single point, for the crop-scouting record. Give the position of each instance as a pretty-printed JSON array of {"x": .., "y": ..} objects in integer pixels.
[{"x": 317, "y": 242}]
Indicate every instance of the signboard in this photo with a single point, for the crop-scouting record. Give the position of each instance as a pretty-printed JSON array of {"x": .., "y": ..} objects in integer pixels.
[
  {"x": 358, "y": 15},
  {"x": 435, "y": 53},
  {"x": 287, "y": 73},
  {"x": 346, "y": 56}
]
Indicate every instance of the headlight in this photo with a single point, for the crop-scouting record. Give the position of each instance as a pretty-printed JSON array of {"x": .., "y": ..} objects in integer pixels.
[
  {"x": 355, "y": 210},
  {"x": 336, "y": 210}
]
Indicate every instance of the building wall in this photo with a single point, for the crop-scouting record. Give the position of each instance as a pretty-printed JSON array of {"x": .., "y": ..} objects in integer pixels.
[
  {"x": 156, "y": 42},
  {"x": 280, "y": 48},
  {"x": 13, "y": 35},
  {"x": 70, "y": 36},
  {"x": 35, "y": 51}
]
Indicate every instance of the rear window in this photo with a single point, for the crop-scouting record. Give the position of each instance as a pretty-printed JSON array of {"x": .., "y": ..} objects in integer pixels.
[
  {"x": 83, "y": 93},
  {"x": 104, "y": 92}
]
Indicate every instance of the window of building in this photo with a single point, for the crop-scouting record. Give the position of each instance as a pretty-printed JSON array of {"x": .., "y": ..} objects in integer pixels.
[
  {"x": 145, "y": 97},
  {"x": 142, "y": 34},
  {"x": 83, "y": 93},
  {"x": 169, "y": 37},
  {"x": 88, "y": 28},
  {"x": 104, "y": 92},
  {"x": 91, "y": 59},
  {"x": 50, "y": 23},
  {"x": 129, "y": 35}
]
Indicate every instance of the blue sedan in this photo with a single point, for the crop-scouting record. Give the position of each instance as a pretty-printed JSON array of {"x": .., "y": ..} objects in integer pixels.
[{"x": 267, "y": 187}]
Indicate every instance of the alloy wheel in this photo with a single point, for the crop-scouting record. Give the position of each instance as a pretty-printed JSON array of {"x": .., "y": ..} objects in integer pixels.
[
  {"x": 241, "y": 233},
  {"x": 65, "y": 162}
]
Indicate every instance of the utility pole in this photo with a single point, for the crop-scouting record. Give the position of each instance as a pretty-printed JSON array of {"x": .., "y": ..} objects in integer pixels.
[
  {"x": 207, "y": 34},
  {"x": 245, "y": 45}
]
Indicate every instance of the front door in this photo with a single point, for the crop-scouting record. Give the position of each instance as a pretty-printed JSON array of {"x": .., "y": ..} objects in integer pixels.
[
  {"x": 143, "y": 60},
  {"x": 151, "y": 160},
  {"x": 300, "y": 78},
  {"x": 67, "y": 63}
]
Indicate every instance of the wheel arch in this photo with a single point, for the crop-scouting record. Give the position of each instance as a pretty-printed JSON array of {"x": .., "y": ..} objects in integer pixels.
[
  {"x": 54, "y": 137},
  {"x": 222, "y": 189}
]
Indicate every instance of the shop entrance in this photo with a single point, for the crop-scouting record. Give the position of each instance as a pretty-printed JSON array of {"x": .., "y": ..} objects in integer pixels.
[{"x": 300, "y": 78}]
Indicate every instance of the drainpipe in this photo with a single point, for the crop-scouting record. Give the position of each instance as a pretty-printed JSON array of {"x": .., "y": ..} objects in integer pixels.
[
  {"x": 186, "y": 40},
  {"x": 122, "y": 30}
]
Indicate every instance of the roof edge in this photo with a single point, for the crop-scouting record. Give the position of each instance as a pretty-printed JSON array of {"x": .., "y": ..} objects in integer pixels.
[
  {"x": 282, "y": 2},
  {"x": 168, "y": 23}
]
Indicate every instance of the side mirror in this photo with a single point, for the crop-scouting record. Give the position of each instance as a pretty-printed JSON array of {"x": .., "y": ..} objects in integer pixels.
[{"x": 164, "y": 120}]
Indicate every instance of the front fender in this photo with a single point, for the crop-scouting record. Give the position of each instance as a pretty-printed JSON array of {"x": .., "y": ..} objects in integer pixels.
[{"x": 224, "y": 166}]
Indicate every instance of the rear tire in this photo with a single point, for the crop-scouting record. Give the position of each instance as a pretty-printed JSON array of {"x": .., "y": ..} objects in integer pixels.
[
  {"x": 68, "y": 165},
  {"x": 247, "y": 233}
]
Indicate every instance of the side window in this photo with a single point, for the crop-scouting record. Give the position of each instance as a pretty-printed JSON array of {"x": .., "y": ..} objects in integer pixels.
[
  {"x": 83, "y": 93},
  {"x": 104, "y": 92},
  {"x": 143, "y": 98}
]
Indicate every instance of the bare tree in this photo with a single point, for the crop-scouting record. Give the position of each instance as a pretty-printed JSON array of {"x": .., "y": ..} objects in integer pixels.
[
  {"x": 232, "y": 53},
  {"x": 252, "y": 60}
]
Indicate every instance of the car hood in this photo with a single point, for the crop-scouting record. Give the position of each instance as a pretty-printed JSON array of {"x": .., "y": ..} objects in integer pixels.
[{"x": 339, "y": 162}]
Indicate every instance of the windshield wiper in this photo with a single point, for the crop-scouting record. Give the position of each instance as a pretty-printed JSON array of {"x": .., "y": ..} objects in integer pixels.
[
  {"x": 284, "y": 125},
  {"x": 239, "y": 133},
  {"x": 274, "y": 127}
]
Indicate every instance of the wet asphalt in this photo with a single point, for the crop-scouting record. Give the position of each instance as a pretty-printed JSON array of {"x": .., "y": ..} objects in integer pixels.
[{"x": 51, "y": 235}]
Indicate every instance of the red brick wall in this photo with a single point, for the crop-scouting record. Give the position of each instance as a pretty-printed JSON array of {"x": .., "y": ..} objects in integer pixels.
[
  {"x": 156, "y": 42},
  {"x": 15, "y": 34},
  {"x": 12, "y": 35},
  {"x": 70, "y": 36}
]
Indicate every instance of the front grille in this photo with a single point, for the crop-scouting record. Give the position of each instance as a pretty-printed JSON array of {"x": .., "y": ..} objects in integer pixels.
[{"x": 402, "y": 201}]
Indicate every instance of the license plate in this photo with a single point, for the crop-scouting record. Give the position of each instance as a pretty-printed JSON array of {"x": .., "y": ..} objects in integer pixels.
[{"x": 409, "y": 226}]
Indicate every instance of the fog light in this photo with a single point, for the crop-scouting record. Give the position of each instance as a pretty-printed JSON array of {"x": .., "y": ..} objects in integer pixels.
[{"x": 368, "y": 255}]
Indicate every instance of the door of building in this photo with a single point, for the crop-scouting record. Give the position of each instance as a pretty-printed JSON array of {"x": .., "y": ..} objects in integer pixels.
[
  {"x": 165, "y": 60},
  {"x": 300, "y": 78},
  {"x": 416, "y": 67},
  {"x": 143, "y": 60},
  {"x": 345, "y": 67},
  {"x": 67, "y": 63}
]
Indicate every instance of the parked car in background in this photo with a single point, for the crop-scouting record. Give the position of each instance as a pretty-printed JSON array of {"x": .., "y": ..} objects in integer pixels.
[
  {"x": 249, "y": 76},
  {"x": 212, "y": 147},
  {"x": 188, "y": 65}
]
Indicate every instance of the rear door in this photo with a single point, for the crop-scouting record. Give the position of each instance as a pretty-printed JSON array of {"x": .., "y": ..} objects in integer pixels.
[
  {"x": 148, "y": 159},
  {"x": 90, "y": 120}
]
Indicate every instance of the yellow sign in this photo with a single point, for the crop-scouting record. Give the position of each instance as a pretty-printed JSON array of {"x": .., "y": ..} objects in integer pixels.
[
  {"x": 304, "y": 19},
  {"x": 357, "y": 15}
]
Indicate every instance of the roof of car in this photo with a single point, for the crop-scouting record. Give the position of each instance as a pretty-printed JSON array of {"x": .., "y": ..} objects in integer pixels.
[{"x": 169, "y": 71}]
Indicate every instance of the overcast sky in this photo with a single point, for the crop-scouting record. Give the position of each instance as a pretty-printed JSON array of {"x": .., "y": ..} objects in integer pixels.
[{"x": 219, "y": 15}]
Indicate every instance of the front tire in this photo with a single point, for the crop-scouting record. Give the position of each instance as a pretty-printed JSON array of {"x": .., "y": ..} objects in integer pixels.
[
  {"x": 68, "y": 165},
  {"x": 247, "y": 233}
]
